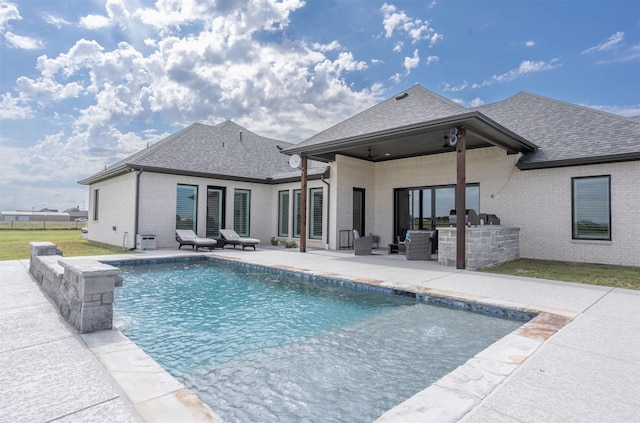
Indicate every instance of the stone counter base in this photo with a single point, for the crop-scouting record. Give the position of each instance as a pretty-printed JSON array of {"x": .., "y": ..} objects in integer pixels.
[
  {"x": 82, "y": 289},
  {"x": 485, "y": 245}
]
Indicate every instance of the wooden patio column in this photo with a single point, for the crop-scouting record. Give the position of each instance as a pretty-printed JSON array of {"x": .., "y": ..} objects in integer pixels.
[
  {"x": 461, "y": 211},
  {"x": 303, "y": 206}
]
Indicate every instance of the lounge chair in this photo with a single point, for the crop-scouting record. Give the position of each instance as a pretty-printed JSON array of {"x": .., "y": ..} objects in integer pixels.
[
  {"x": 362, "y": 245},
  {"x": 229, "y": 236},
  {"x": 188, "y": 237}
]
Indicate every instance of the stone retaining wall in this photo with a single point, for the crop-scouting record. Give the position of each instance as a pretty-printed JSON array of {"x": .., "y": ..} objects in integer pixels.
[
  {"x": 81, "y": 288},
  {"x": 486, "y": 245}
]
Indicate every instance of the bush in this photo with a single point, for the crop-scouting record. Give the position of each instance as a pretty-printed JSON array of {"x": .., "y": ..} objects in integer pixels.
[
  {"x": 290, "y": 244},
  {"x": 274, "y": 240}
]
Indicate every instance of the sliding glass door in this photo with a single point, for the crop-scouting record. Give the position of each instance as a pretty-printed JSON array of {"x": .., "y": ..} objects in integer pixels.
[{"x": 427, "y": 208}]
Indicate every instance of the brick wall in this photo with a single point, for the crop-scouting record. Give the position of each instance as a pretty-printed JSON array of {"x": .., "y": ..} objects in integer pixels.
[{"x": 536, "y": 201}]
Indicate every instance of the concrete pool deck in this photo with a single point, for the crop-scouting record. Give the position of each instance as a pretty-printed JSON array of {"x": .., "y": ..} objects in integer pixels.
[{"x": 586, "y": 370}]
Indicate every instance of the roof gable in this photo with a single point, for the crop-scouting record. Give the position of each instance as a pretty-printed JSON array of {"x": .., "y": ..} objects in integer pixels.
[{"x": 415, "y": 105}]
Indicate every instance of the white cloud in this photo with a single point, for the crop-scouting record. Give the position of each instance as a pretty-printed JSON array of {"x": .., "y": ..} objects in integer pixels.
[
  {"x": 530, "y": 43},
  {"x": 82, "y": 54},
  {"x": 529, "y": 66},
  {"x": 473, "y": 103},
  {"x": 432, "y": 59},
  {"x": 628, "y": 110},
  {"x": 45, "y": 174},
  {"x": 8, "y": 12},
  {"x": 346, "y": 62},
  {"x": 612, "y": 42},
  {"x": 333, "y": 45},
  {"x": 398, "y": 46},
  {"x": 117, "y": 14},
  {"x": 397, "y": 21},
  {"x": 45, "y": 90},
  {"x": 526, "y": 67},
  {"x": 632, "y": 53},
  {"x": 411, "y": 62},
  {"x": 95, "y": 22},
  {"x": 13, "y": 108},
  {"x": 435, "y": 37},
  {"x": 237, "y": 18},
  {"x": 476, "y": 102},
  {"x": 220, "y": 72},
  {"x": 56, "y": 21},
  {"x": 455, "y": 88},
  {"x": 22, "y": 42}
]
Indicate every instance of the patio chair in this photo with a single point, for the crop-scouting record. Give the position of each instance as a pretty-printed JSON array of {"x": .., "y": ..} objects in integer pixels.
[
  {"x": 188, "y": 237},
  {"x": 230, "y": 237},
  {"x": 362, "y": 245},
  {"x": 418, "y": 245},
  {"x": 402, "y": 246}
]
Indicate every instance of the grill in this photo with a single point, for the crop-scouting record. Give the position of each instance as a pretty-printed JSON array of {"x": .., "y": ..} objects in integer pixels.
[
  {"x": 471, "y": 217},
  {"x": 489, "y": 219}
]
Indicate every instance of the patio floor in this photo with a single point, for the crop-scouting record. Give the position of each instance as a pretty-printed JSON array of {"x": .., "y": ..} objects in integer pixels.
[{"x": 586, "y": 370}]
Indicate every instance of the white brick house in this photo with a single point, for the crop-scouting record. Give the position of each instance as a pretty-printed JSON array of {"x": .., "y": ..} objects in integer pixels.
[
  {"x": 229, "y": 176},
  {"x": 566, "y": 175}
]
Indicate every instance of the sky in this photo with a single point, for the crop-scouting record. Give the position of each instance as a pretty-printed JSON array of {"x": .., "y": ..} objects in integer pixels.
[{"x": 85, "y": 83}]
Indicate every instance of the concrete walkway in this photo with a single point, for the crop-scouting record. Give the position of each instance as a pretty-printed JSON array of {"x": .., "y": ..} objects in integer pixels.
[
  {"x": 46, "y": 373},
  {"x": 578, "y": 361}
]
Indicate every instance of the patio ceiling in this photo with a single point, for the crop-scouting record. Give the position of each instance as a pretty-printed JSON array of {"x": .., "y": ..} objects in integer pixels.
[{"x": 418, "y": 139}]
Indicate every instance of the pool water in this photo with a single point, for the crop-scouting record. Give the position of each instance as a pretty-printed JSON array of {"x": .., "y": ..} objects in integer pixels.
[{"x": 261, "y": 347}]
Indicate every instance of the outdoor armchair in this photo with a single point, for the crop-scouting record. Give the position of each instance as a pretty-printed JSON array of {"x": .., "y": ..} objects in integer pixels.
[
  {"x": 362, "y": 245},
  {"x": 418, "y": 245}
]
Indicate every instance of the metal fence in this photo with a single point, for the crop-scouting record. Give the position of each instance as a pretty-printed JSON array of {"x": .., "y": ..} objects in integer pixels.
[{"x": 14, "y": 224}]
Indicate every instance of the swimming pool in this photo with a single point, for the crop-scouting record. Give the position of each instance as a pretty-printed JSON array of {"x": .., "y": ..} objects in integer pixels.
[{"x": 264, "y": 347}]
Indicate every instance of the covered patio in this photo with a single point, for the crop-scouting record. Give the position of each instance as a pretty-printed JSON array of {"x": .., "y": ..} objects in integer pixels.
[{"x": 397, "y": 166}]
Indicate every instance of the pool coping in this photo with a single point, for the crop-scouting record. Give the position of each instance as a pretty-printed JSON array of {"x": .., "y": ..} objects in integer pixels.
[{"x": 450, "y": 398}]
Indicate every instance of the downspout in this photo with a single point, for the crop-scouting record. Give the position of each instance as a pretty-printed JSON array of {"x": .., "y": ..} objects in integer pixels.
[
  {"x": 328, "y": 210},
  {"x": 135, "y": 224},
  {"x": 303, "y": 206}
]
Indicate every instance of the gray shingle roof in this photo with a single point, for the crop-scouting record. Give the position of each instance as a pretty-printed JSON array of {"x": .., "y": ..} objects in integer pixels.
[
  {"x": 213, "y": 151},
  {"x": 419, "y": 105},
  {"x": 565, "y": 133}
]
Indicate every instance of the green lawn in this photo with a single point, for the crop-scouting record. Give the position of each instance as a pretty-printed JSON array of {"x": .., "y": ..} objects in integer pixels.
[
  {"x": 14, "y": 244},
  {"x": 594, "y": 274}
]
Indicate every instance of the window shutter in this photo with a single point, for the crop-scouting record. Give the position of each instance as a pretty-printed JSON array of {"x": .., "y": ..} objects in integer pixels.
[
  {"x": 296, "y": 213},
  {"x": 215, "y": 204},
  {"x": 315, "y": 231},
  {"x": 241, "y": 208},
  {"x": 283, "y": 213}
]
